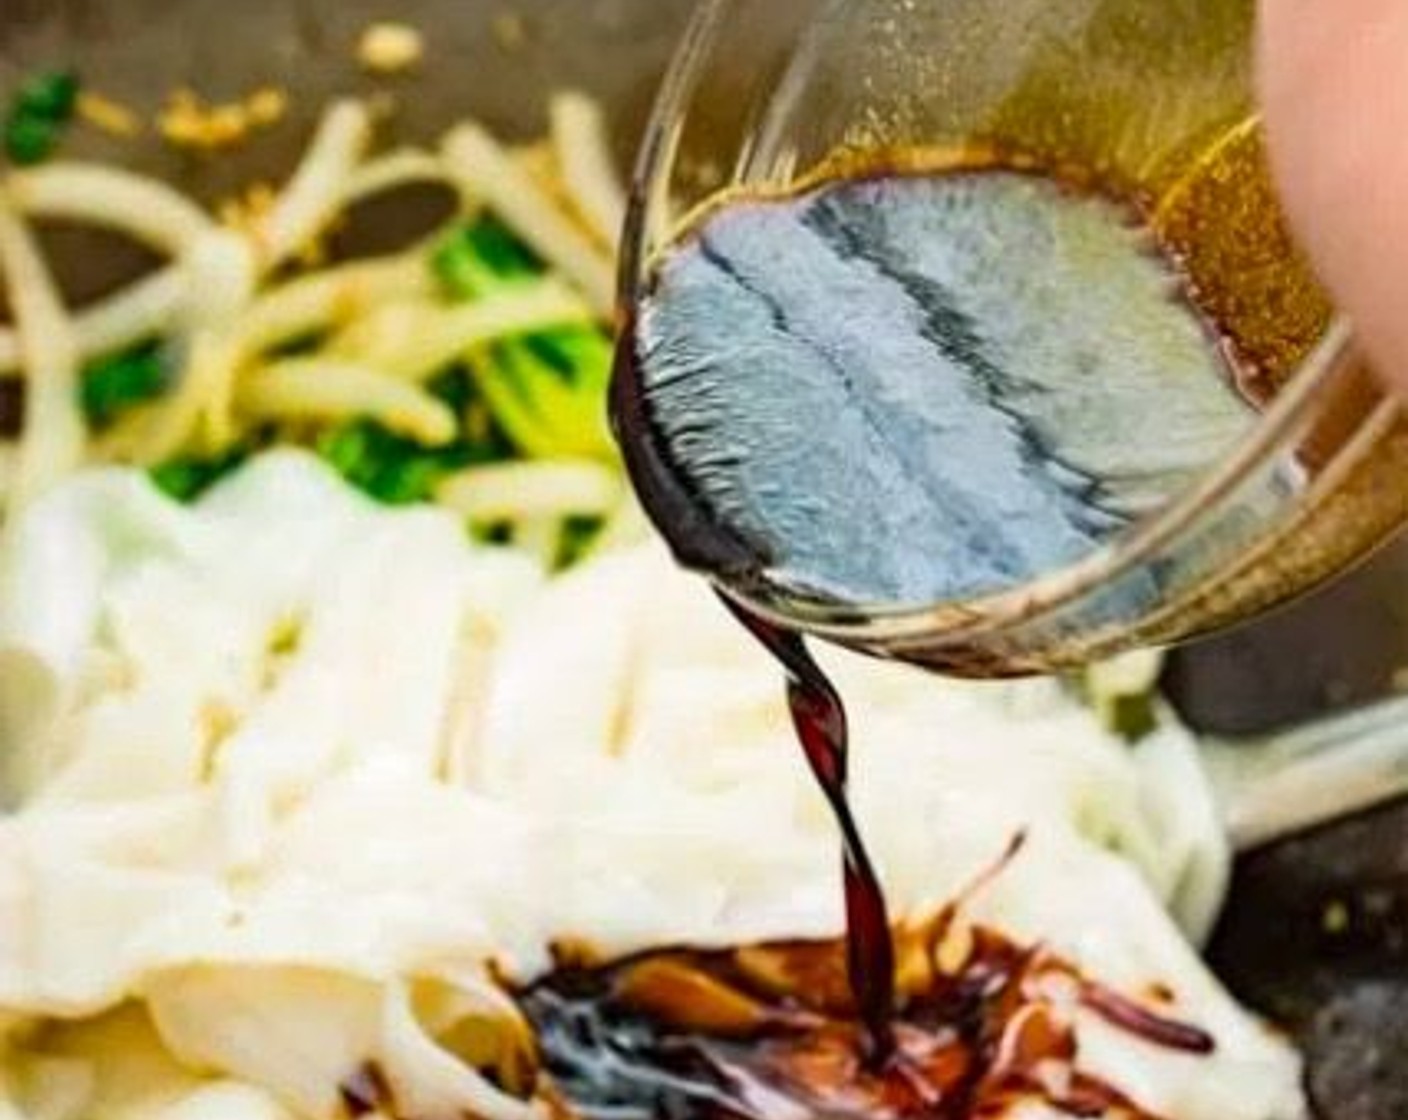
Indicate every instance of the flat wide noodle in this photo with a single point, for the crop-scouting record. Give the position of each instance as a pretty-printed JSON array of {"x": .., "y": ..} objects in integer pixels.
[{"x": 312, "y": 777}]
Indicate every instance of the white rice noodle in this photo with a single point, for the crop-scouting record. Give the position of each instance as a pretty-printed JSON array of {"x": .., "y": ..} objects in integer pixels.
[
  {"x": 303, "y": 389},
  {"x": 417, "y": 340},
  {"x": 532, "y": 490},
  {"x": 315, "y": 193},
  {"x": 627, "y": 527},
  {"x": 583, "y": 148},
  {"x": 52, "y": 443},
  {"x": 137, "y": 205},
  {"x": 302, "y": 1031},
  {"x": 486, "y": 172},
  {"x": 402, "y": 168}
]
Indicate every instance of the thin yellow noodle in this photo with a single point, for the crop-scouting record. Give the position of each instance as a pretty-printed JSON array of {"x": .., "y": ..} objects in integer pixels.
[
  {"x": 52, "y": 444},
  {"x": 314, "y": 194},
  {"x": 584, "y": 154},
  {"x": 486, "y": 171},
  {"x": 139, "y": 206},
  {"x": 401, "y": 168},
  {"x": 222, "y": 278},
  {"x": 532, "y": 490},
  {"x": 304, "y": 389},
  {"x": 417, "y": 340},
  {"x": 326, "y": 300},
  {"x": 144, "y": 309}
]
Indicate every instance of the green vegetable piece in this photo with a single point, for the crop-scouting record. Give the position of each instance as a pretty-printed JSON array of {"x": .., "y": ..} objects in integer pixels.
[
  {"x": 546, "y": 392},
  {"x": 1130, "y": 717},
  {"x": 116, "y": 383},
  {"x": 40, "y": 109},
  {"x": 29, "y": 140},
  {"x": 188, "y": 477},
  {"x": 391, "y": 468},
  {"x": 455, "y": 387},
  {"x": 578, "y": 536},
  {"x": 51, "y": 97},
  {"x": 477, "y": 259},
  {"x": 543, "y": 412},
  {"x": 501, "y": 250}
]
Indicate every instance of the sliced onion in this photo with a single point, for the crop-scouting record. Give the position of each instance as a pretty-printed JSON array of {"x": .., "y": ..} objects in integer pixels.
[{"x": 403, "y": 168}]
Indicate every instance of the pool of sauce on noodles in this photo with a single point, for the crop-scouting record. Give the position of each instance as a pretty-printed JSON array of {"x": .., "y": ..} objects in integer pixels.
[{"x": 770, "y": 1032}]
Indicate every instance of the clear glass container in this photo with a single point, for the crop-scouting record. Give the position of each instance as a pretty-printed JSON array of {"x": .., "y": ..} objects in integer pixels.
[{"x": 1152, "y": 96}]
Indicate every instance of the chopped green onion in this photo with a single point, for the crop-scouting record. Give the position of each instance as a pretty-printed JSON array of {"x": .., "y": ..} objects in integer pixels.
[
  {"x": 40, "y": 110},
  {"x": 546, "y": 413},
  {"x": 546, "y": 392},
  {"x": 52, "y": 96},
  {"x": 29, "y": 140},
  {"x": 116, "y": 383}
]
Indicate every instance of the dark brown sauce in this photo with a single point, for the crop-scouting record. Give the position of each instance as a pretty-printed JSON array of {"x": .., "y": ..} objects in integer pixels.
[
  {"x": 768, "y": 1032},
  {"x": 820, "y": 721}
]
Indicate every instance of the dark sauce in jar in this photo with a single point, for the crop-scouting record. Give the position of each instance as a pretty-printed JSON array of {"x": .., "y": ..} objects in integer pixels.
[{"x": 899, "y": 388}]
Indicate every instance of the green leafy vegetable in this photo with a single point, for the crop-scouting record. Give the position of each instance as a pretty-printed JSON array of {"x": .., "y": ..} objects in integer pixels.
[
  {"x": 391, "y": 468},
  {"x": 116, "y": 383},
  {"x": 546, "y": 391},
  {"x": 482, "y": 258},
  {"x": 188, "y": 477},
  {"x": 546, "y": 412},
  {"x": 51, "y": 97},
  {"x": 28, "y": 140},
  {"x": 40, "y": 110}
]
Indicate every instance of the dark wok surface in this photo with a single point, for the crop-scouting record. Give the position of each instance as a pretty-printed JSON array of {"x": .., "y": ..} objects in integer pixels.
[{"x": 1317, "y": 931}]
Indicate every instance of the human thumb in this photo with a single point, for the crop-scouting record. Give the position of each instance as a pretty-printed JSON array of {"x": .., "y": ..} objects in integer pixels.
[{"x": 1333, "y": 78}]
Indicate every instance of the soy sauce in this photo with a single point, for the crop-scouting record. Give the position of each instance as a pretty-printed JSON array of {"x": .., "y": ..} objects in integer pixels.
[
  {"x": 888, "y": 389},
  {"x": 819, "y": 718}
]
